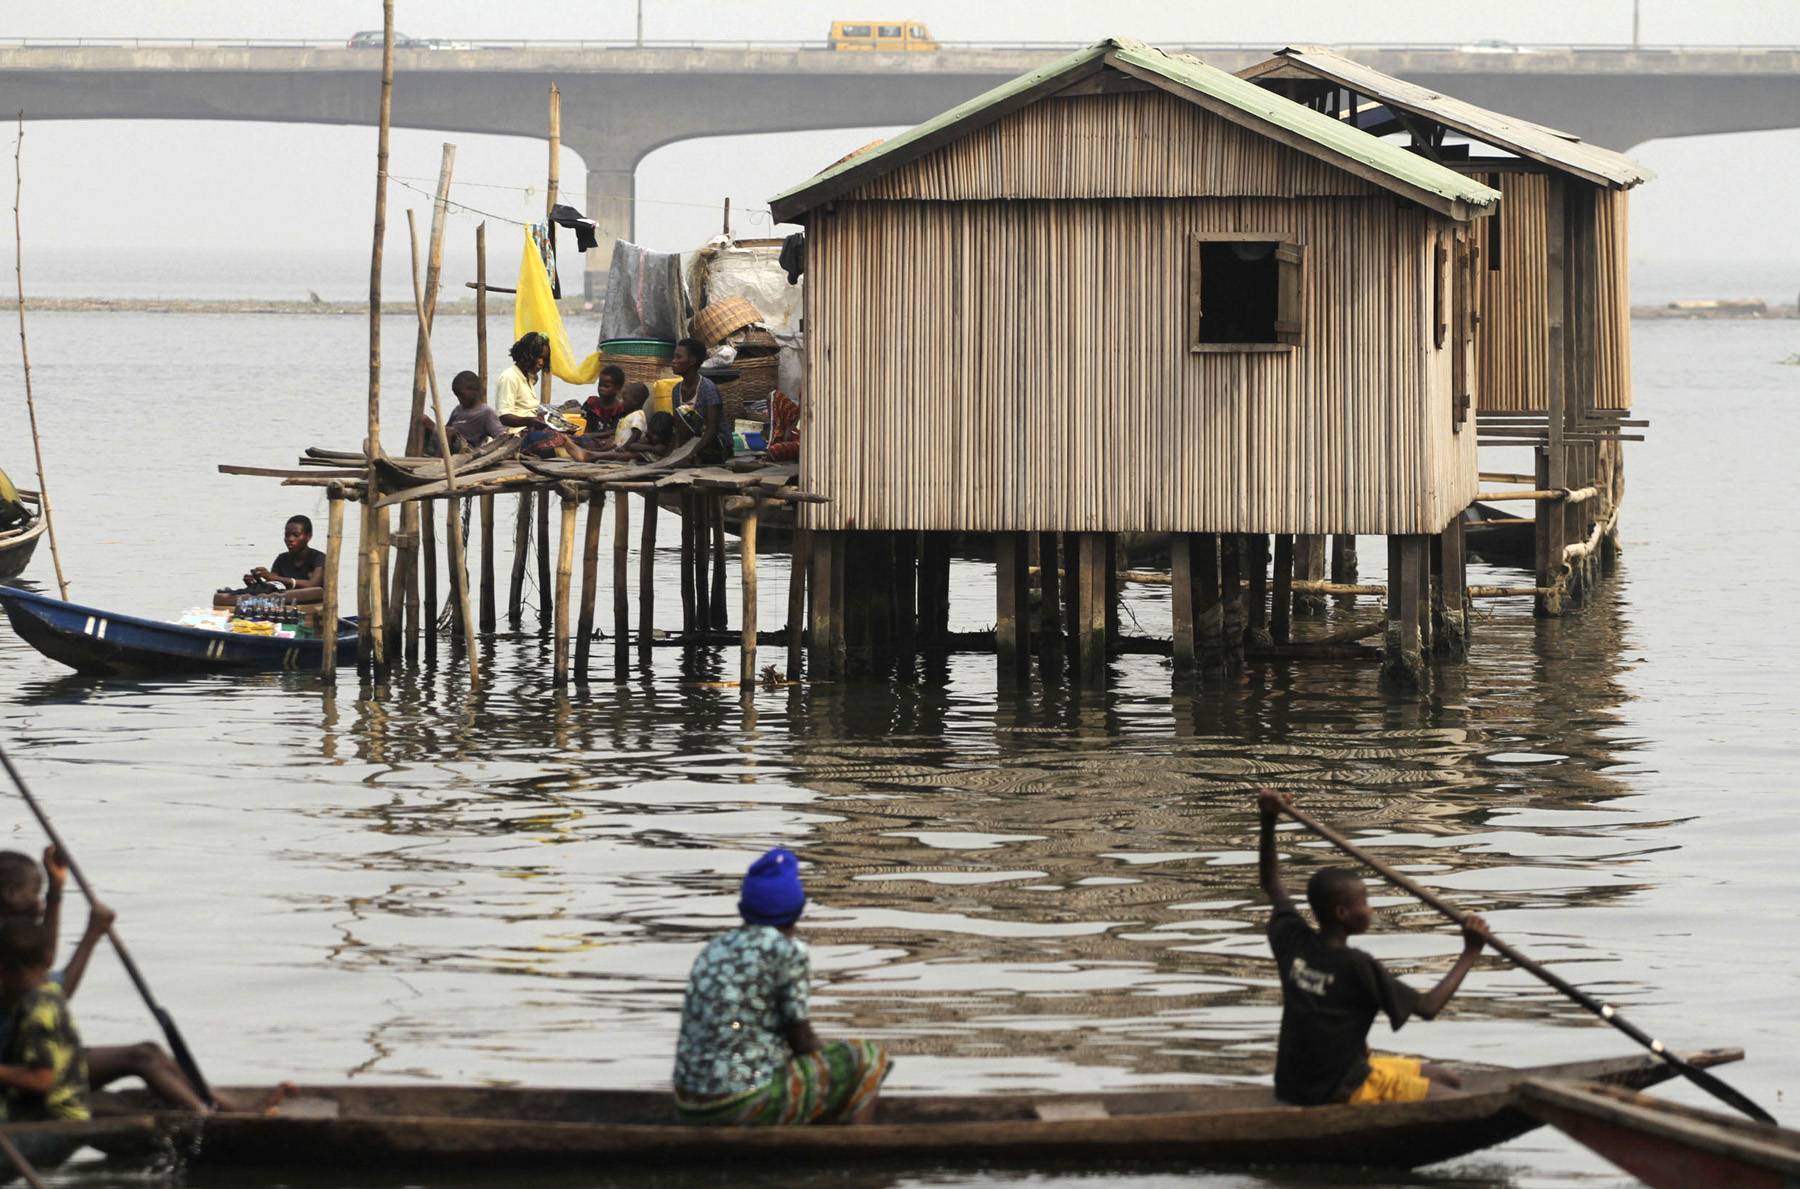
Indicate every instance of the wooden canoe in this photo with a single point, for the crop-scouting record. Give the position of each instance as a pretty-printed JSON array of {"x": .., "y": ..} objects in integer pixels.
[
  {"x": 1498, "y": 537},
  {"x": 1664, "y": 1145},
  {"x": 458, "y": 1128},
  {"x": 18, "y": 545},
  {"x": 105, "y": 643}
]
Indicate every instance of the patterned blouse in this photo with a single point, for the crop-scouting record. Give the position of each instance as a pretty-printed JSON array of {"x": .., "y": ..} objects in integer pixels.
[
  {"x": 43, "y": 1037},
  {"x": 746, "y": 987}
]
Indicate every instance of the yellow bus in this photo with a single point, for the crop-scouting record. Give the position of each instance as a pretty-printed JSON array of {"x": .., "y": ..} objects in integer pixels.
[{"x": 885, "y": 37}]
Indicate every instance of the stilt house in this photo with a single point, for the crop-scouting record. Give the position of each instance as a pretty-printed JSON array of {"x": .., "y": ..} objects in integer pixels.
[
  {"x": 1549, "y": 271},
  {"x": 1130, "y": 292}
]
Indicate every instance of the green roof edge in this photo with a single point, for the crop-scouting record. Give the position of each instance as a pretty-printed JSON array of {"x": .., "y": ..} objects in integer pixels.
[{"x": 1333, "y": 135}]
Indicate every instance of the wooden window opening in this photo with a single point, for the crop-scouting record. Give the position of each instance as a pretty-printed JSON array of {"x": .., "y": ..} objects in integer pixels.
[
  {"x": 1493, "y": 227},
  {"x": 1245, "y": 292},
  {"x": 1440, "y": 292}
]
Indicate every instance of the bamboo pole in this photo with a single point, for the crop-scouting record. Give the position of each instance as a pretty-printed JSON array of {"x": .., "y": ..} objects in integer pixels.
[
  {"x": 487, "y": 564},
  {"x": 459, "y": 570},
  {"x": 550, "y": 189},
  {"x": 434, "y": 264},
  {"x": 590, "y": 579},
  {"x": 334, "y": 553},
  {"x": 481, "y": 352},
  {"x": 428, "y": 566},
  {"x": 547, "y": 600},
  {"x": 515, "y": 599},
  {"x": 565, "y": 565},
  {"x": 37, "y": 448},
  {"x": 796, "y": 624},
  {"x": 372, "y": 626},
  {"x": 647, "y": 576},
  {"x": 747, "y": 568},
  {"x": 621, "y": 576},
  {"x": 717, "y": 520}
]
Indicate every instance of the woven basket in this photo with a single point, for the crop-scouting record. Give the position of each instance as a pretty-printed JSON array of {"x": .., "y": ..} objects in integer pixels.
[
  {"x": 757, "y": 377},
  {"x": 719, "y": 319},
  {"x": 756, "y": 340},
  {"x": 637, "y": 368}
]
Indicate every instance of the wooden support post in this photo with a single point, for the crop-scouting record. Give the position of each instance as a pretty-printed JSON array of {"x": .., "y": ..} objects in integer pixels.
[
  {"x": 1553, "y": 456},
  {"x": 934, "y": 588},
  {"x": 1181, "y": 602},
  {"x": 621, "y": 576},
  {"x": 1209, "y": 611},
  {"x": 1231, "y": 597},
  {"x": 747, "y": 586},
  {"x": 647, "y": 576},
  {"x": 1113, "y": 588},
  {"x": 839, "y": 643},
  {"x": 1284, "y": 588},
  {"x": 1343, "y": 565},
  {"x": 1403, "y": 659},
  {"x": 1450, "y": 609},
  {"x": 702, "y": 507},
  {"x": 855, "y": 580},
  {"x": 906, "y": 592},
  {"x": 1049, "y": 642},
  {"x": 371, "y": 627},
  {"x": 1071, "y": 617},
  {"x": 1256, "y": 598},
  {"x": 481, "y": 354},
  {"x": 688, "y": 593},
  {"x": 1422, "y": 578},
  {"x": 716, "y": 517},
  {"x": 487, "y": 565},
  {"x": 428, "y": 562},
  {"x": 334, "y": 554},
  {"x": 819, "y": 632},
  {"x": 801, "y": 562},
  {"x": 547, "y": 594},
  {"x": 1012, "y": 609},
  {"x": 515, "y": 598},
  {"x": 565, "y": 567},
  {"x": 590, "y": 579},
  {"x": 1309, "y": 566},
  {"x": 1096, "y": 600},
  {"x": 1549, "y": 539}
]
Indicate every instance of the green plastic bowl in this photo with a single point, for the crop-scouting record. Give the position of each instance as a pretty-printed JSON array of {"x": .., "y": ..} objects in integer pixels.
[{"x": 639, "y": 348}]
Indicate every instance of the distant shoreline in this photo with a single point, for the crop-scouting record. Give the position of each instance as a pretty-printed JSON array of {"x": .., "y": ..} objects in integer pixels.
[{"x": 465, "y": 307}]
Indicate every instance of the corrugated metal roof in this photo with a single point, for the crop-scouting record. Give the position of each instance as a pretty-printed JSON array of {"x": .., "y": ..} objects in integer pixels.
[
  {"x": 1309, "y": 131},
  {"x": 1522, "y": 137}
]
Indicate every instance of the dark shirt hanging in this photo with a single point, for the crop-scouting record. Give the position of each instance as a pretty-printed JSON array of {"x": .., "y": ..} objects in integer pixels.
[
  {"x": 793, "y": 256},
  {"x": 587, "y": 232}
]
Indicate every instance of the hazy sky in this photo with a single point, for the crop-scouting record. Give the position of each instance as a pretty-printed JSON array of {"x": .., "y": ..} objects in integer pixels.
[{"x": 109, "y": 186}]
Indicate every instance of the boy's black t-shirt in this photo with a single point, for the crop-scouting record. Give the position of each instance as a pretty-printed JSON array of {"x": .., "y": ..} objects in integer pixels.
[
  {"x": 1329, "y": 997},
  {"x": 286, "y": 567}
]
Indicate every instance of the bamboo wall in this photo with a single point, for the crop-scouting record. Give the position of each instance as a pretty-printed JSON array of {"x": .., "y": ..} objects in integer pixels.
[
  {"x": 1134, "y": 145},
  {"x": 1513, "y": 347},
  {"x": 1023, "y": 365}
]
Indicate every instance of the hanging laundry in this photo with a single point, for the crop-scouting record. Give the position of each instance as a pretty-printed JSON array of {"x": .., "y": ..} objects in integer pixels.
[
  {"x": 793, "y": 256},
  {"x": 534, "y": 308},
  {"x": 587, "y": 232}
]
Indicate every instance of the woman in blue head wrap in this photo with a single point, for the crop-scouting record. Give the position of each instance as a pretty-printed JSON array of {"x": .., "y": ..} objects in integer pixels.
[{"x": 748, "y": 1054}]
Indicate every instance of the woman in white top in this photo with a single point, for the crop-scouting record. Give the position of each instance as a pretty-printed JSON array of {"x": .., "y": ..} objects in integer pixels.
[{"x": 515, "y": 392}]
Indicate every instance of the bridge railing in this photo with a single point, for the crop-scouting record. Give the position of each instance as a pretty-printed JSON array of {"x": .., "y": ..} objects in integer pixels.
[{"x": 490, "y": 43}]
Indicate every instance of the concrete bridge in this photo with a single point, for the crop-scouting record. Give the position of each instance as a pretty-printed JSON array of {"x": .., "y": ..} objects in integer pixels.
[{"x": 621, "y": 101}]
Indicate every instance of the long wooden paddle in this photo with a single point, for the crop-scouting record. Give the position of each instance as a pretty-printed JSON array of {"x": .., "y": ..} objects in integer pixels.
[
  {"x": 17, "y": 1159},
  {"x": 177, "y": 1046},
  {"x": 1706, "y": 1081}
]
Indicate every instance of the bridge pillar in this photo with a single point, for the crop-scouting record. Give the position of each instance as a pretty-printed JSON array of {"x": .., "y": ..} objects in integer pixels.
[{"x": 611, "y": 202}]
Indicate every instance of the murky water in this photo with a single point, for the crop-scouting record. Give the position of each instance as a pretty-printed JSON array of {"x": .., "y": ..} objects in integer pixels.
[{"x": 1035, "y": 892}]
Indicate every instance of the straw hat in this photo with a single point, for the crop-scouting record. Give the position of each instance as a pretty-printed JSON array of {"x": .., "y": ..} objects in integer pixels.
[{"x": 722, "y": 317}]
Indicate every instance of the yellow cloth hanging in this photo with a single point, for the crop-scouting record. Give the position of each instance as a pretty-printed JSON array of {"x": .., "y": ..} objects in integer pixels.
[{"x": 534, "y": 308}]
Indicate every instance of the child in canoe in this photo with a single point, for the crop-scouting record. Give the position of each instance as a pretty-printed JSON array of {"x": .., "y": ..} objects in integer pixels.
[
  {"x": 748, "y": 1055},
  {"x": 42, "y": 1074},
  {"x": 1331, "y": 991}
]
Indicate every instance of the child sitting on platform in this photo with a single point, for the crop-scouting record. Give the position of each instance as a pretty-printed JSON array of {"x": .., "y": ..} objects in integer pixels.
[
  {"x": 1330, "y": 991},
  {"x": 748, "y": 1055},
  {"x": 603, "y": 409}
]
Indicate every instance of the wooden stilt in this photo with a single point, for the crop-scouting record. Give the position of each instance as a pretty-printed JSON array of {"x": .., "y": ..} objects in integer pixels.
[
  {"x": 647, "y": 576},
  {"x": 801, "y": 561},
  {"x": 621, "y": 578},
  {"x": 1011, "y": 609},
  {"x": 565, "y": 567},
  {"x": 334, "y": 555},
  {"x": 428, "y": 564},
  {"x": 1209, "y": 610},
  {"x": 1284, "y": 588},
  {"x": 1113, "y": 589},
  {"x": 1403, "y": 660},
  {"x": 1096, "y": 601},
  {"x": 1231, "y": 598},
  {"x": 372, "y": 651},
  {"x": 854, "y": 581},
  {"x": 487, "y": 565},
  {"x": 1256, "y": 597},
  {"x": 702, "y": 509},
  {"x": 687, "y": 561},
  {"x": 1181, "y": 601},
  {"x": 1450, "y": 610},
  {"x": 906, "y": 591},
  {"x": 1050, "y": 613},
  {"x": 1551, "y": 524},
  {"x": 934, "y": 588},
  {"x": 590, "y": 580},
  {"x": 515, "y": 598},
  {"x": 1071, "y": 616},
  {"x": 1309, "y": 566},
  {"x": 717, "y": 520},
  {"x": 1343, "y": 565},
  {"x": 1421, "y": 577},
  {"x": 747, "y": 585},
  {"x": 821, "y": 630},
  {"x": 547, "y": 594}
]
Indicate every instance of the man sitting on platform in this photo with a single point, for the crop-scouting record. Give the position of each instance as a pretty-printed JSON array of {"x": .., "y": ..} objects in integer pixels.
[{"x": 748, "y": 1055}]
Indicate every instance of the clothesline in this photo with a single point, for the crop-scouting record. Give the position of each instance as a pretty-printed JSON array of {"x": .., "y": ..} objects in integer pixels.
[{"x": 754, "y": 212}]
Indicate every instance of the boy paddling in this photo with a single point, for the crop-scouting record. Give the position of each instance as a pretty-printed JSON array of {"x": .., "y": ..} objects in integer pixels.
[
  {"x": 748, "y": 1055},
  {"x": 1331, "y": 991}
]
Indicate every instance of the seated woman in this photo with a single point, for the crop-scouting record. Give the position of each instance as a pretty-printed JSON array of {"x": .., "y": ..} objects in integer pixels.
[
  {"x": 700, "y": 408},
  {"x": 297, "y": 576}
]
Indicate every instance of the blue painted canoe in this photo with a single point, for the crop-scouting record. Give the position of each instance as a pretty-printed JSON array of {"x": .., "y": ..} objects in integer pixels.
[{"x": 90, "y": 640}]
